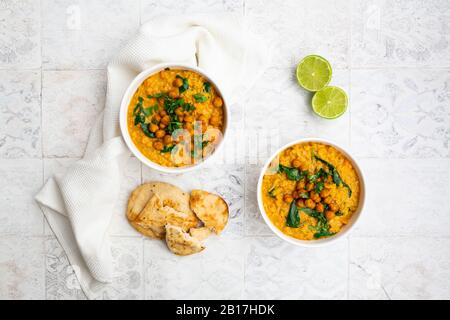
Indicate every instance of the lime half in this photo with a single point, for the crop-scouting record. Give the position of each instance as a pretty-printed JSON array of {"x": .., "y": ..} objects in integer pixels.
[
  {"x": 330, "y": 102},
  {"x": 313, "y": 73}
]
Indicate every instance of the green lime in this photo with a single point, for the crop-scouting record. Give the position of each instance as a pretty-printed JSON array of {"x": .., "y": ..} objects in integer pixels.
[
  {"x": 313, "y": 73},
  {"x": 330, "y": 102}
]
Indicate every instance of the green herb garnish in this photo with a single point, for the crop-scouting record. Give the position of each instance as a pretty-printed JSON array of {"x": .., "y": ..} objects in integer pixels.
[
  {"x": 339, "y": 213},
  {"x": 147, "y": 132},
  {"x": 188, "y": 107},
  {"x": 185, "y": 85},
  {"x": 320, "y": 174},
  {"x": 319, "y": 186},
  {"x": 322, "y": 227},
  {"x": 292, "y": 173},
  {"x": 293, "y": 218},
  {"x": 271, "y": 192},
  {"x": 199, "y": 97},
  {"x": 207, "y": 86},
  {"x": 335, "y": 175},
  {"x": 150, "y": 110},
  {"x": 167, "y": 149},
  {"x": 304, "y": 195}
]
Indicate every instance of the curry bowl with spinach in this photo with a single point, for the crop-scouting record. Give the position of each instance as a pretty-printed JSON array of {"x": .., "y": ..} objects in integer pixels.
[
  {"x": 175, "y": 117},
  {"x": 310, "y": 191}
]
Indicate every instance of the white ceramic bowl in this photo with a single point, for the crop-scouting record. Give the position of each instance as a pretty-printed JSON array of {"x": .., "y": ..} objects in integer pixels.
[
  {"x": 134, "y": 85},
  {"x": 323, "y": 241}
]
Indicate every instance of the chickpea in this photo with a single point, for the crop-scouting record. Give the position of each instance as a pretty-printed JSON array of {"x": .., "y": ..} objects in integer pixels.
[
  {"x": 160, "y": 133},
  {"x": 177, "y": 82},
  {"x": 295, "y": 194},
  {"x": 180, "y": 118},
  {"x": 157, "y": 117},
  {"x": 167, "y": 139},
  {"x": 214, "y": 121},
  {"x": 174, "y": 94},
  {"x": 303, "y": 167},
  {"x": 320, "y": 207},
  {"x": 153, "y": 127},
  {"x": 329, "y": 215},
  {"x": 163, "y": 113},
  {"x": 217, "y": 102},
  {"x": 188, "y": 118},
  {"x": 300, "y": 203},
  {"x": 158, "y": 145},
  {"x": 179, "y": 111},
  {"x": 161, "y": 103},
  {"x": 310, "y": 204},
  {"x": 300, "y": 185},
  {"x": 165, "y": 120},
  {"x": 328, "y": 200},
  {"x": 325, "y": 193},
  {"x": 317, "y": 198},
  {"x": 296, "y": 163},
  {"x": 334, "y": 207},
  {"x": 287, "y": 198},
  {"x": 162, "y": 125},
  {"x": 309, "y": 186}
]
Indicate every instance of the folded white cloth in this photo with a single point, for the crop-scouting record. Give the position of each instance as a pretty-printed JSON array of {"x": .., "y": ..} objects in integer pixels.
[{"x": 79, "y": 204}]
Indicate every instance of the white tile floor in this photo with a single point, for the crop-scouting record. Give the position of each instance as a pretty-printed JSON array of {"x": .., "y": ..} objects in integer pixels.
[{"x": 392, "y": 57}]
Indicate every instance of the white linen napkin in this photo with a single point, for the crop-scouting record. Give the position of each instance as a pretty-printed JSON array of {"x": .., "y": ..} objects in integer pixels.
[{"x": 79, "y": 204}]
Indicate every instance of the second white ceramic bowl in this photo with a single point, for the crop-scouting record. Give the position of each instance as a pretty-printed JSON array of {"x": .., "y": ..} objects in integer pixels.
[
  {"x": 319, "y": 242},
  {"x": 134, "y": 85}
]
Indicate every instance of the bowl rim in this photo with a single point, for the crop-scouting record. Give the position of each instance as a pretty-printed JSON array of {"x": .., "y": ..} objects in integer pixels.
[
  {"x": 123, "y": 113},
  {"x": 346, "y": 229}
]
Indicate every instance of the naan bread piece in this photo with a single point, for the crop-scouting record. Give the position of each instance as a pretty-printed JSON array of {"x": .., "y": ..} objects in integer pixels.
[
  {"x": 180, "y": 242},
  {"x": 200, "y": 233},
  {"x": 138, "y": 199},
  {"x": 210, "y": 208},
  {"x": 165, "y": 203}
]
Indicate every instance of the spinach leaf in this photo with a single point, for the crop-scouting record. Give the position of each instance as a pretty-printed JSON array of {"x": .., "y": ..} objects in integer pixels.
[
  {"x": 167, "y": 149},
  {"x": 319, "y": 174},
  {"x": 304, "y": 195},
  {"x": 185, "y": 85},
  {"x": 349, "y": 191},
  {"x": 315, "y": 214},
  {"x": 207, "y": 86},
  {"x": 188, "y": 107},
  {"x": 293, "y": 218},
  {"x": 157, "y": 95},
  {"x": 335, "y": 174},
  {"x": 323, "y": 233},
  {"x": 147, "y": 132},
  {"x": 139, "y": 118},
  {"x": 292, "y": 173},
  {"x": 150, "y": 110},
  {"x": 322, "y": 226},
  {"x": 271, "y": 192},
  {"x": 173, "y": 125},
  {"x": 319, "y": 186},
  {"x": 199, "y": 97}
]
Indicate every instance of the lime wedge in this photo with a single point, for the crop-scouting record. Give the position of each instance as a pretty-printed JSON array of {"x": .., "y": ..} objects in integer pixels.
[
  {"x": 330, "y": 102},
  {"x": 313, "y": 73}
]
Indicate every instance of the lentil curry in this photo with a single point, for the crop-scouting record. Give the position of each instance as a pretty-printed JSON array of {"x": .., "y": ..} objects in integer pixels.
[
  {"x": 310, "y": 191},
  {"x": 176, "y": 117}
]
